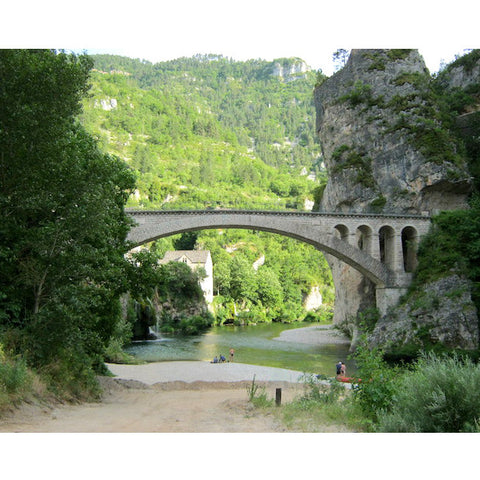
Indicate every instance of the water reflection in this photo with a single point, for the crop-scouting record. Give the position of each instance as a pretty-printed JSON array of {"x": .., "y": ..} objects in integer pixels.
[{"x": 255, "y": 345}]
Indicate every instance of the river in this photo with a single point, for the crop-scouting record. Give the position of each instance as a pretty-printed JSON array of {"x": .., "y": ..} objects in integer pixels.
[{"x": 253, "y": 344}]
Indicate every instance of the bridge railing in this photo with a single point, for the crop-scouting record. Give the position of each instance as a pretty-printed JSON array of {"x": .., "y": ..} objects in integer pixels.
[{"x": 295, "y": 213}]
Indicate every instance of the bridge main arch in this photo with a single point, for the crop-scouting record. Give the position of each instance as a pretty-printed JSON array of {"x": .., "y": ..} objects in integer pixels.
[{"x": 318, "y": 229}]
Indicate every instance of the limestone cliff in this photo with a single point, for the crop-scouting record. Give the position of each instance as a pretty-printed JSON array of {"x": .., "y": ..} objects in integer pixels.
[{"x": 385, "y": 150}]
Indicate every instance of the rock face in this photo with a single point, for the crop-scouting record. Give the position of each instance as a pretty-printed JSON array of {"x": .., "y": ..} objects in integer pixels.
[
  {"x": 313, "y": 300},
  {"x": 442, "y": 313},
  {"x": 384, "y": 151},
  {"x": 290, "y": 69},
  {"x": 366, "y": 113}
]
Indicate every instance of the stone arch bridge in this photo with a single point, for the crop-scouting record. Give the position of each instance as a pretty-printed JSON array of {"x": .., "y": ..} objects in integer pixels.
[{"x": 381, "y": 246}]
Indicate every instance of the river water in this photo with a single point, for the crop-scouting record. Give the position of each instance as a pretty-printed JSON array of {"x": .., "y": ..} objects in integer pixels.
[{"x": 253, "y": 344}]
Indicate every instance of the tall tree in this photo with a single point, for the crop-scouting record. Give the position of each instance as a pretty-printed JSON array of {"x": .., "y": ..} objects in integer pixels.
[{"x": 62, "y": 222}]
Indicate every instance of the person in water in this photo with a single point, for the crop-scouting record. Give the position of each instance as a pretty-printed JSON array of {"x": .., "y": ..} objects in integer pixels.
[{"x": 232, "y": 352}]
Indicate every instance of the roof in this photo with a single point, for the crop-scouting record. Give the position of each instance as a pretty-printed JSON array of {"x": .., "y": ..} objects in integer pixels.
[{"x": 195, "y": 256}]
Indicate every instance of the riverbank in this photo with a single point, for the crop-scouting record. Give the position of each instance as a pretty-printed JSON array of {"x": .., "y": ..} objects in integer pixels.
[
  {"x": 315, "y": 335},
  {"x": 169, "y": 397},
  {"x": 191, "y": 371},
  {"x": 177, "y": 396}
]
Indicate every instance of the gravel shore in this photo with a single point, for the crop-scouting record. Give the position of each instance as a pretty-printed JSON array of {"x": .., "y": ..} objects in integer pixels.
[
  {"x": 316, "y": 335},
  {"x": 192, "y": 371}
]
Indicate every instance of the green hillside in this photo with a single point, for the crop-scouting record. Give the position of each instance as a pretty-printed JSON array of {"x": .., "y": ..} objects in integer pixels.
[
  {"x": 207, "y": 133},
  {"x": 210, "y": 132}
]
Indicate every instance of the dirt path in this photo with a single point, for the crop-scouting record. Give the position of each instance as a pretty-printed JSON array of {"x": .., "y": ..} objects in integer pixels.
[{"x": 130, "y": 406}]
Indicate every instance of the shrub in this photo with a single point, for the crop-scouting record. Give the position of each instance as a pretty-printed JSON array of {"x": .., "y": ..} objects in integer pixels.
[
  {"x": 14, "y": 377},
  {"x": 441, "y": 394},
  {"x": 323, "y": 315},
  {"x": 257, "y": 395},
  {"x": 320, "y": 393},
  {"x": 377, "y": 385}
]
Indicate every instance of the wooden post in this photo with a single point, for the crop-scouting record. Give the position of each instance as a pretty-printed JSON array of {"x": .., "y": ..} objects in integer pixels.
[{"x": 278, "y": 397}]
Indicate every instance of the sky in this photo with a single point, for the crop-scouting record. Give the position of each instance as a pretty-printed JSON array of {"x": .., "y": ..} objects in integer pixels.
[{"x": 248, "y": 29}]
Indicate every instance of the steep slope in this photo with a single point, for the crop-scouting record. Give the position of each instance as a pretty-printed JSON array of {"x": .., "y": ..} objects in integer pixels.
[
  {"x": 208, "y": 131},
  {"x": 387, "y": 148}
]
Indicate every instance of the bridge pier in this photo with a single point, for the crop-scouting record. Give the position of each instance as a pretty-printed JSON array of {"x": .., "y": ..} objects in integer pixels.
[{"x": 387, "y": 297}]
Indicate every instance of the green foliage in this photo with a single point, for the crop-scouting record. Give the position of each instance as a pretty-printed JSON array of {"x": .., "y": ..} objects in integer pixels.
[
  {"x": 452, "y": 245},
  {"x": 186, "y": 241},
  {"x": 257, "y": 395},
  {"x": 440, "y": 394},
  {"x": 320, "y": 393},
  {"x": 276, "y": 290},
  {"x": 361, "y": 93},
  {"x": 367, "y": 319},
  {"x": 467, "y": 61},
  {"x": 378, "y": 203},
  {"x": 216, "y": 126},
  {"x": 14, "y": 376},
  {"x": 322, "y": 315},
  {"x": 376, "y": 385},
  {"x": 62, "y": 227},
  {"x": 380, "y": 58},
  {"x": 347, "y": 157}
]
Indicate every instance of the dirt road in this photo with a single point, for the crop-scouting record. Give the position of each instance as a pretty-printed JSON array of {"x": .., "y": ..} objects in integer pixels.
[{"x": 130, "y": 406}]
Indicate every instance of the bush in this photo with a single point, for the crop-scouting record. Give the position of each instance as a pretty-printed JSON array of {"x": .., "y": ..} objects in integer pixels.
[
  {"x": 17, "y": 382},
  {"x": 323, "y": 315},
  {"x": 14, "y": 377},
  {"x": 377, "y": 385},
  {"x": 440, "y": 395},
  {"x": 72, "y": 376},
  {"x": 320, "y": 393}
]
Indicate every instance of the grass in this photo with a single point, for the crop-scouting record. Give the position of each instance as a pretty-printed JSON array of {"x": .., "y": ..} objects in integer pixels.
[
  {"x": 322, "y": 407},
  {"x": 17, "y": 383}
]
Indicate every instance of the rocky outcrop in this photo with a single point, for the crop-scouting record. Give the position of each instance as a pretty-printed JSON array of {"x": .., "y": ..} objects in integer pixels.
[
  {"x": 442, "y": 313},
  {"x": 380, "y": 138},
  {"x": 289, "y": 69},
  {"x": 313, "y": 300},
  {"x": 385, "y": 150}
]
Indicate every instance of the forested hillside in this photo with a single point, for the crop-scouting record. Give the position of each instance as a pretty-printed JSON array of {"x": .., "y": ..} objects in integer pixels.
[{"x": 210, "y": 132}]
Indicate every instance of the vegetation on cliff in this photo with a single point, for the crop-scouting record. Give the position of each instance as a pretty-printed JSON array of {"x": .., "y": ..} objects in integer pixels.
[{"x": 452, "y": 246}]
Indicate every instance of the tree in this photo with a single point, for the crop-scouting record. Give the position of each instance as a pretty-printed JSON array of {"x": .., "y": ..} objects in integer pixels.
[
  {"x": 340, "y": 58},
  {"x": 243, "y": 284},
  {"x": 186, "y": 241},
  {"x": 62, "y": 220},
  {"x": 269, "y": 288}
]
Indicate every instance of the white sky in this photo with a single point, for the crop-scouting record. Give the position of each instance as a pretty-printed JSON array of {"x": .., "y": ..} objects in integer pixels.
[{"x": 312, "y": 30}]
